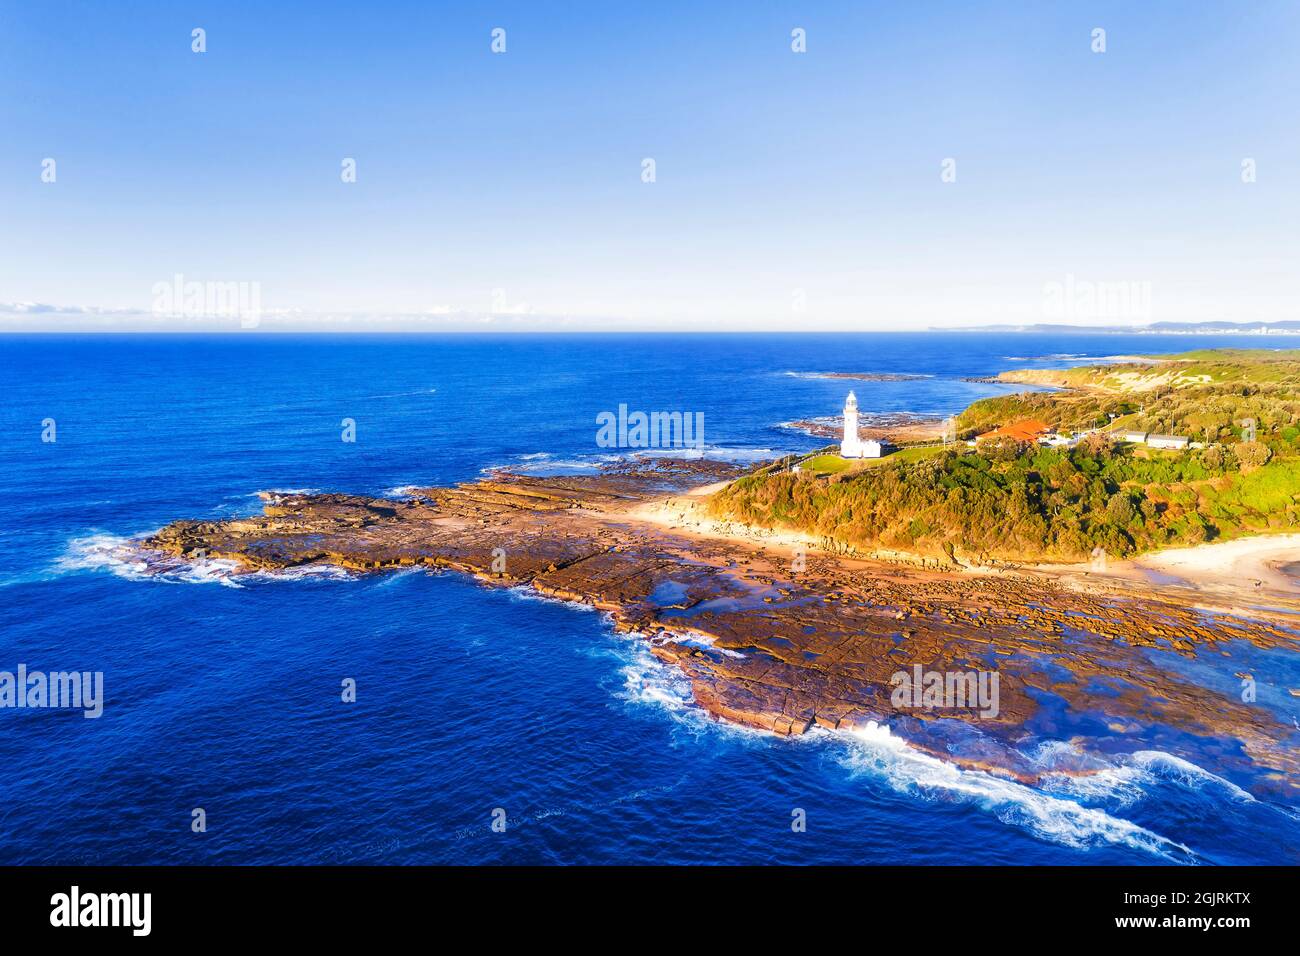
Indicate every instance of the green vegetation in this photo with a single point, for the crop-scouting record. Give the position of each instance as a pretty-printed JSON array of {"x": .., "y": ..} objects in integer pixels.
[
  {"x": 828, "y": 464},
  {"x": 915, "y": 453},
  {"x": 1012, "y": 501}
]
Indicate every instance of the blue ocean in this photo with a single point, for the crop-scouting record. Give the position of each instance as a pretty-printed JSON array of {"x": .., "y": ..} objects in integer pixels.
[{"x": 471, "y": 704}]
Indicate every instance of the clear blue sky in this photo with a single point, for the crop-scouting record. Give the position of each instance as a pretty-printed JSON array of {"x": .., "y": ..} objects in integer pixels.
[{"x": 776, "y": 171}]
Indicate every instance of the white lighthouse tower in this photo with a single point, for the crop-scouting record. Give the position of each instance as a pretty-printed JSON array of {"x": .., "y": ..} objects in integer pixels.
[{"x": 850, "y": 447}]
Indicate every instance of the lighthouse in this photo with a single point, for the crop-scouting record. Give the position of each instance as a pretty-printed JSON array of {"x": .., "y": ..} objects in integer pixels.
[{"x": 850, "y": 447}]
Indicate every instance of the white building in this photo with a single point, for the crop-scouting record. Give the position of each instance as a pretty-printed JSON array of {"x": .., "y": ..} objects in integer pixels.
[
  {"x": 852, "y": 446},
  {"x": 1153, "y": 440}
]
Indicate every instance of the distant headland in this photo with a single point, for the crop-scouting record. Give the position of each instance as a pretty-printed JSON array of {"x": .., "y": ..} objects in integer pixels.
[{"x": 1149, "y": 328}]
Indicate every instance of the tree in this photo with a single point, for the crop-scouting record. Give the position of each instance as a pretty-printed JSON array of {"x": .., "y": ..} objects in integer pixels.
[
  {"x": 1097, "y": 445},
  {"x": 1119, "y": 510},
  {"x": 1253, "y": 454}
]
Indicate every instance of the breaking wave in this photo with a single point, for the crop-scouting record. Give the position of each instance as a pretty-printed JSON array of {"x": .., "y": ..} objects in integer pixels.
[
  {"x": 405, "y": 491},
  {"x": 526, "y": 592},
  {"x": 697, "y": 639},
  {"x": 121, "y": 556},
  {"x": 1132, "y": 778},
  {"x": 875, "y": 751},
  {"x": 645, "y": 681}
]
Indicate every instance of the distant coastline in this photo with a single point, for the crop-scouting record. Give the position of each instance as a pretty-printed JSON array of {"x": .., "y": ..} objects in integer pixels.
[{"x": 1154, "y": 328}]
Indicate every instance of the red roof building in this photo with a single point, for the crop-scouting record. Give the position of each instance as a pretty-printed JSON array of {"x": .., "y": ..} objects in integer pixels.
[{"x": 1025, "y": 430}]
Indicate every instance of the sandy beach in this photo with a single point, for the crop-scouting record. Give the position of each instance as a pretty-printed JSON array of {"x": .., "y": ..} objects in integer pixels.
[
  {"x": 687, "y": 513},
  {"x": 1250, "y": 565}
]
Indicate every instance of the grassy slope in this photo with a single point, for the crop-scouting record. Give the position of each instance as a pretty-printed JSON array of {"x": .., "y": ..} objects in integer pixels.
[
  {"x": 832, "y": 464},
  {"x": 826, "y": 464}
]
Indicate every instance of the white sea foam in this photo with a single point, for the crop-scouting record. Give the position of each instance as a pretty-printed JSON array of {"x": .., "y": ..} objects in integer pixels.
[
  {"x": 697, "y": 639},
  {"x": 526, "y": 592},
  {"x": 119, "y": 555},
  {"x": 304, "y": 572},
  {"x": 404, "y": 491},
  {"x": 1187, "y": 774},
  {"x": 101, "y": 552},
  {"x": 874, "y": 750},
  {"x": 1133, "y": 777},
  {"x": 122, "y": 556},
  {"x": 647, "y": 680}
]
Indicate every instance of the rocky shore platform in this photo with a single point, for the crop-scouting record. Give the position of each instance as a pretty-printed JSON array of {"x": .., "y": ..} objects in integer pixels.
[{"x": 785, "y": 641}]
